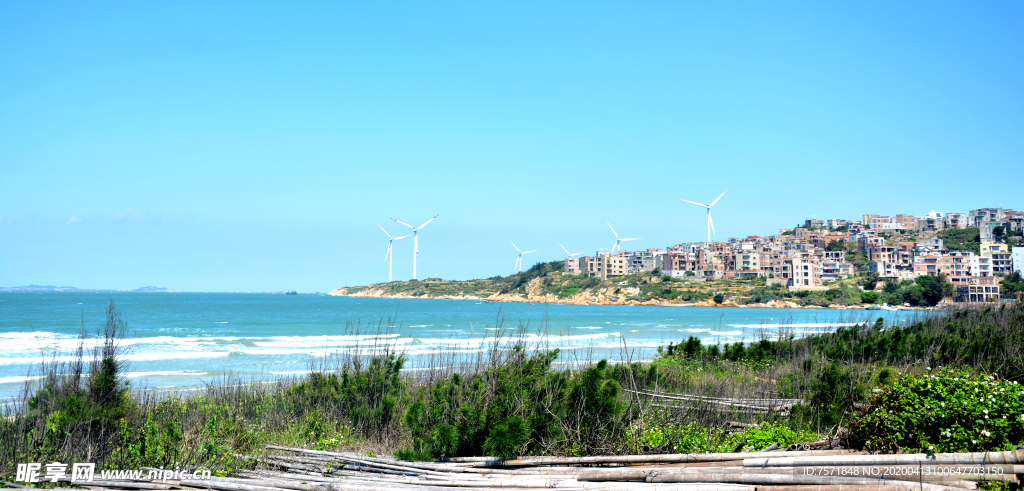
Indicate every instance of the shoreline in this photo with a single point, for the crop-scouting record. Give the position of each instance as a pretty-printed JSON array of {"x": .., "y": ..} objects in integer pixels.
[{"x": 587, "y": 298}]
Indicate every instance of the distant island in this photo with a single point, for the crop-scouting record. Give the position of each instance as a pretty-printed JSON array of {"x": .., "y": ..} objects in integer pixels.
[{"x": 51, "y": 288}]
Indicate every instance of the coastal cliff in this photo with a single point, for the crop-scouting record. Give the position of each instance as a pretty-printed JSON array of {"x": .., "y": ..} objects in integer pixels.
[{"x": 649, "y": 290}]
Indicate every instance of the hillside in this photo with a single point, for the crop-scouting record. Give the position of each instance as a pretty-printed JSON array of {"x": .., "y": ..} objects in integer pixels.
[{"x": 544, "y": 282}]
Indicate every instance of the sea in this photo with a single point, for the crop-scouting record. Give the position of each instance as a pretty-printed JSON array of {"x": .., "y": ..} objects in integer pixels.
[{"x": 182, "y": 340}]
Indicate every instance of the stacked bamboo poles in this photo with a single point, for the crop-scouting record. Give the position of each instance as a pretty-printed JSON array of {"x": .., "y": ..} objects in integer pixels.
[
  {"x": 758, "y": 406},
  {"x": 298, "y": 469},
  {"x": 822, "y": 470}
]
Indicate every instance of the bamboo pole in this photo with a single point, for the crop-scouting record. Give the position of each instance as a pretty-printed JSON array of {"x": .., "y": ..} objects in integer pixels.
[
  {"x": 747, "y": 400},
  {"x": 768, "y": 479},
  {"x": 842, "y": 487},
  {"x": 664, "y": 458},
  {"x": 635, "y": 474},
  {"x": 980, "y": 458}
]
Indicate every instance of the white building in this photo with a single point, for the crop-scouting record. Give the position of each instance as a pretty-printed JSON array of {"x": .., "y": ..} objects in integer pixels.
[{"x": 1018, "y": 259}]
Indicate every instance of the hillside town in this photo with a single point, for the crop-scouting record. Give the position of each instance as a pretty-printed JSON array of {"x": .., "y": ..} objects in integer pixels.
[{"x": 820, "y": 252}]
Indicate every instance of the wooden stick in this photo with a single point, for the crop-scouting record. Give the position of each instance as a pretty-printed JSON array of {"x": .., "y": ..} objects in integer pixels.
[
  {"x": 765, "y": 479},
  {"x": 640, "y": 459},
  {"x": 981, "y": 458}
]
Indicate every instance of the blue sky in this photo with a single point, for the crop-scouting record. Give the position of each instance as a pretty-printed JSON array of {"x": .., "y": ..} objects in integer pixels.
[{"x": 248, "y": 146}]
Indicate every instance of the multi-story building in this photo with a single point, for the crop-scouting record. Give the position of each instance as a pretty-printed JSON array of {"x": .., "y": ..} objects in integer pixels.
[
  {"x": 572, "y": 265},
  {"x": 1017, "y": 257},
  {"x": 955, "y": 220},
  {"x": 640, "y": 261},
  {"x": 927, "y": 224},
  {"x": 981, "y": 266},
  {"x": 676, "y": 264},
  {"x": 931, "y": 263},
  {"x": 1016, "y": 221},
  {"x": 906, "y": 222},
  {"x": 814, "y": 223},
  {"x": 984, "y": 215},
  {"x": 876, "y": 222},
  {"x": 886, "y": 254},
  {"x": 866, "y": 241},
  {"x": 709, "y": 265},
  {"x": 832, "y": 270},
  {"x": 884, "y": 269},
  {"x": 591, "y": 266},
  {"x": 806, "y": 271},
  {"x": 834, "y": 223},
  {"x": 603, "y": 265},
  {"x": 747, "y": 263},
  {"x": 978, "y": 289},
  {"x": 1002, "y": 262}
]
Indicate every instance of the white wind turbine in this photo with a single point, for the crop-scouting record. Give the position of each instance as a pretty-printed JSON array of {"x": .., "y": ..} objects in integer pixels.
[
  {"x": 711, "y": 225},
  {"x": 416, "y": 242},
  {"x": 617, "y": 239},
  {"x": 519, "y": 260},
  {"x": 570, "y": 254},
  {"x": 389, "y": 254}
]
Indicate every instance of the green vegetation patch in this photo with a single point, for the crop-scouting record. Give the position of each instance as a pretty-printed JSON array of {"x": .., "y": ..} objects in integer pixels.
[{"x": 949, "y": 411}]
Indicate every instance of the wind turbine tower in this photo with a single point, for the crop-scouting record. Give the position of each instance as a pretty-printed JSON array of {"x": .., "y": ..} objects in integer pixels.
[
  {"x": 711, "y": 225},
  {"x": 389, "y": 255},
  {"x": 519, "y": 260},
  {"x": 416, "y": 242},
  {"x": 617, "y": 239}
]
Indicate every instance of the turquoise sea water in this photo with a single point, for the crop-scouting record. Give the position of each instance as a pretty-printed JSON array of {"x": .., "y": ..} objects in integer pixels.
[{"x": 179, "y": 339}]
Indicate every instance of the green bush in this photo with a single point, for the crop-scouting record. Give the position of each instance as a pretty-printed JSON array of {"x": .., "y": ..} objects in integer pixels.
[{"x": 950, "y": 411}]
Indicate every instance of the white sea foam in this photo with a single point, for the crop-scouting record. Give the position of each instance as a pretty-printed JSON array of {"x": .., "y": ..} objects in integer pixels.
[
  {"x": 696, "y": 330},
  {"x": 588, "y": 327},
  {"x": 18, "y": 379},
  {"x": 32, "y": 360},
  {"x": 812, "y": 324},
  {"x": 165, "y": 373},
  {"x": 725, "y": 333}
]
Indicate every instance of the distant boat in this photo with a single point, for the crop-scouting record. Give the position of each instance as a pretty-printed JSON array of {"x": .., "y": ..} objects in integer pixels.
[
  {"x": 293, "y": 292},
  {"x": 872, "y": 308}
]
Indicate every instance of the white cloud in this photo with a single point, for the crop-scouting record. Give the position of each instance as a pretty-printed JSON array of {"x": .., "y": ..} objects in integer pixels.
[
  {"x": 130, "y": 213},
  {"x": 73, "y": 219}
]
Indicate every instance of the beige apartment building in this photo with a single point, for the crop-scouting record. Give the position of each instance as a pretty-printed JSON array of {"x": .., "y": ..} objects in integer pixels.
[{"x": 603, "y": 266}]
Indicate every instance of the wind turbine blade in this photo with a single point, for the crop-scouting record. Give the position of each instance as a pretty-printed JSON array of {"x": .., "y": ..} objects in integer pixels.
[
  {"x": 613, "y": 230},
  {"x": 712, "y": 223},
  {"x": 428, "y": 221},
  {"x": 386, "y": 254},
  {"x": 694, "y": 202},
  {"x": 385, "y": 231},
  {"x": 563, "y": 248},
  {"x": 575, "y": 254},
  {"x": 402, "y": 237},
  {"x": 514, "y": 245},
  {"x": 403, "y": 223},
  {"x": 718, "y": 198},
  {"x": 623, "y": 240},
  {"x": 527, "y": 252}
]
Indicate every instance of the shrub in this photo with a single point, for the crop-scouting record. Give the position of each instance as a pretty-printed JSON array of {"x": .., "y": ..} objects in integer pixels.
[{"x": 950, "y": 411}]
